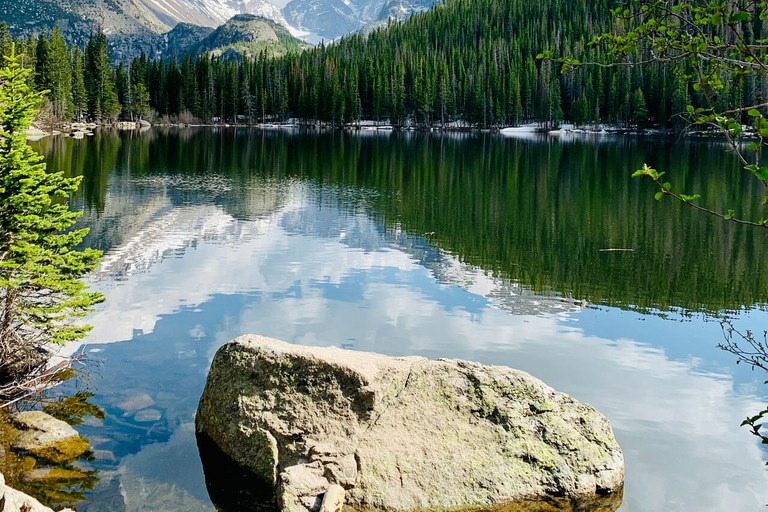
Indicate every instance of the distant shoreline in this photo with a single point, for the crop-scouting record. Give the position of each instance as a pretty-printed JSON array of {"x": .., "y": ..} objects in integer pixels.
[{"x": 82, "y": 130}]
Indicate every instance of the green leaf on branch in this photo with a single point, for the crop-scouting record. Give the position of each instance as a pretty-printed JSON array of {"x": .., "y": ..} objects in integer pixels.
[
  {"x": 760, "y": 172},
  {"x": 689, "y": 199},
  {"x": 729, "y": 215},
  {"x": 648, "y": 171},
  {"x": 658, "y": 196},
  {"x": 739, "y": 17}
]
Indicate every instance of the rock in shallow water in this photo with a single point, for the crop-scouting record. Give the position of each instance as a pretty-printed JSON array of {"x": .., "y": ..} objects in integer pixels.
[
  {"x": 46, "y": 437},
  {"x": 401, "y": 433}
]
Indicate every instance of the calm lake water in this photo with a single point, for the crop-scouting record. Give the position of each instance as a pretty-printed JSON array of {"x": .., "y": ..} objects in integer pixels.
[{"x": 481, "y": 247}]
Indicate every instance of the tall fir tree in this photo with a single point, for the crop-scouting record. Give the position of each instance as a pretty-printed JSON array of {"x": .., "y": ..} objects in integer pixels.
[
  {"x": 79, "y": 94},
  {"x": 42, "y": 292}
]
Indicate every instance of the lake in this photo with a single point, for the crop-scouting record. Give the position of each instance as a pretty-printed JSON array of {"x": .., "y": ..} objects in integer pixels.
[{"x": 477, "y": 247}]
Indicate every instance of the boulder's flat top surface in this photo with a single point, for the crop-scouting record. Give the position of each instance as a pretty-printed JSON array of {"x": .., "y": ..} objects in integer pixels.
[{"x": 401, "y": 433}]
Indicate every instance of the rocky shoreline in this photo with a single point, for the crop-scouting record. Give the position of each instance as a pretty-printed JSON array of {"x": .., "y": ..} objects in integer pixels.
[
  {"x": 402, "y": 434},
  {"x": 81, "y": 130}
]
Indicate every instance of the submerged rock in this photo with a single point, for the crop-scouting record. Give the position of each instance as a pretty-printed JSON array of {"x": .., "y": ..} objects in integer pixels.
[
  {"x": 46, "y": 437},
  {"x": 401, "y": 433},
  {"x": 136, "y": 402}
]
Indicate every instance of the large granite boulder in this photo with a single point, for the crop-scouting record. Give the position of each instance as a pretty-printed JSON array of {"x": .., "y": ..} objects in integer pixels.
[{"x": 401, "y": 433}]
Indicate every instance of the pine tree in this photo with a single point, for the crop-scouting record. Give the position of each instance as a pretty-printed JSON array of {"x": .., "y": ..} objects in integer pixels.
[
  {"x": 103, "y": 104},
  {"x": 140, "y": 106},
  {"x": 338, "y": 101},
  {"x": 79, "y": 95},
  {"x": 353, "y": 101},
  {"x": 39, "y": 272},
  {"x": 43, "y": 74},
  {"x": 189, "y": 91},
  {"x": 517, "y": 109},
  {"x": 679, "y": 101},
  {"x": 6, "y": 41},
  {"x": 60, "y": 77},
  {"x": 639, "y": 109},
  {"x": 29, "y": 58},
  {"x": 124, "y": 91},
  {"x": 398, "y": 116},
  {"x": 90, "y": 76}
]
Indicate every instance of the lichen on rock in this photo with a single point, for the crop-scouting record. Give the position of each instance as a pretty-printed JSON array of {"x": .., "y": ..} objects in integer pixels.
[{"x": 401, "y": 433}]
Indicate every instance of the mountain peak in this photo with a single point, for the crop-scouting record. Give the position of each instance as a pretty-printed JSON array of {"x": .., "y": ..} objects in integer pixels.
[
  {"x": 246, "y": 18},
  {"x": 249, "y": 34}
]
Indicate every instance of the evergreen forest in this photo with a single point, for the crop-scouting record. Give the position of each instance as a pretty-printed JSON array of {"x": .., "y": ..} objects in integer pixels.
[{"x": 465, "y": 62}]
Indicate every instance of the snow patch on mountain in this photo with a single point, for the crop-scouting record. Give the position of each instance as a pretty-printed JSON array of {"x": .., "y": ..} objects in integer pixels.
[
  {"x": 212, "y": 13},
  {"x": 311, "y": 20},
  {"x": 332, "y": 19}
]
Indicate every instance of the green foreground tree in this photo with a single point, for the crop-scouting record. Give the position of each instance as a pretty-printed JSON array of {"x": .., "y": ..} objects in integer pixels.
[{"x": 41, "y": 293}]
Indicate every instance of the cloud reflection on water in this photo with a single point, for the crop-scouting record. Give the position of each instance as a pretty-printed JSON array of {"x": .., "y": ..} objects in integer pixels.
[{"x": 308, "y": 272}]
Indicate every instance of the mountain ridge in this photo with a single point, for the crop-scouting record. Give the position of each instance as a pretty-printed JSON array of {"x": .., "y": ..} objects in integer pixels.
[
  {"x": 142, "y": 26},
  {"x": 135, "y": 27}
]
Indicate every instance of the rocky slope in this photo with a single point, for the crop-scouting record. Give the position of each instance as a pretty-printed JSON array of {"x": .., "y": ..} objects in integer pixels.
[
  {"x": 183, "y": 37},
  {"x": 402, "y": 433},
  {"x": 130, "y": 27},
  {"x": 248, "y": 34}
]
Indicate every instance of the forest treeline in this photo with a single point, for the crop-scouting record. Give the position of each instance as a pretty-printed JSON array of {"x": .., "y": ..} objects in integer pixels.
[{"x": 469, "y": 61}]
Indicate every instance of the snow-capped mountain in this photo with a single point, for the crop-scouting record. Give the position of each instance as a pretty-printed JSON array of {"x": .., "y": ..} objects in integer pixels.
[
  {"x": 211, "y": 13},
  {"x": 331, "y": 19},
  {"x": 328, "y": 19},
  {"x": 143, "y": 26},
  {"x": 323, "y": 19}
]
